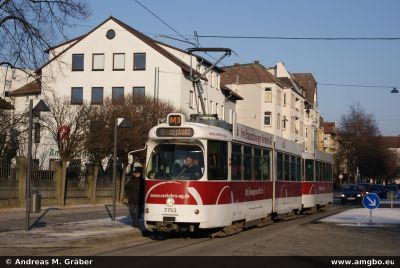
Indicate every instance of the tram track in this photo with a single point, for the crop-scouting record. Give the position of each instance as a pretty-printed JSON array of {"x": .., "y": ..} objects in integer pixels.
[{"x": 177, "y": 244}]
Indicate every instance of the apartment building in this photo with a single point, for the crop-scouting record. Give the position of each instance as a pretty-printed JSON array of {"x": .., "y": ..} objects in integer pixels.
[
  {"x": 273, "y": 101},
  {"x": 330, "y": 137},
  {"x": 114, "y": 60}
]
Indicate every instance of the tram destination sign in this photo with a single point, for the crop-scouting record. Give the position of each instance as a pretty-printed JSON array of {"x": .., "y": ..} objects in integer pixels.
[{"x": 175, "y": 132}]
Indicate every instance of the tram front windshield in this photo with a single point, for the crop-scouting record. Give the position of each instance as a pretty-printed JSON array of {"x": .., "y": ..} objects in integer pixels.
[{"x": 176, "y": 162}]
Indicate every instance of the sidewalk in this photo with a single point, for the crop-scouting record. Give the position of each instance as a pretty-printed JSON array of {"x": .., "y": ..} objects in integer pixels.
[
  {"x": 360, "y": 217},
  {"x": 70, "y": 226}
]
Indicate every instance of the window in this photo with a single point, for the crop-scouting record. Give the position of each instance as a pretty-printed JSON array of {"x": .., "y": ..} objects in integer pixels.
[
  {"x": 266, "y": 165},
  {"x": 286, "y": 167},
  {"x": 236, "y": 162},
  {"x": 309, "y": 170},
  {"x": 139, "y": 93},
  {"x": 279, "y": 166},
  {"x": 217, "y": 160},
  {"x": 139, "y": 61},
  {"x": 176, "y": 161},
  {"x": 110, "y": 34},
  {"x": 119, "y": 61},
  {"x": 76, "y": 95},
  {"x": 77, "y": 62},
  {"x": 267, "y": 119},
  {"x": 117, "y": 94},
  {"x": 298, "y": 168},
  {"x": 98, "y": 62},
  {"x": 191, "y": 99},
  {"x": 257, "y": 164},
  {"x": 97, "y": 95},
  {"x": 293, "y": 173},
  {"x": 267, "y": 95},
  {"x": 247, "y": 163}
]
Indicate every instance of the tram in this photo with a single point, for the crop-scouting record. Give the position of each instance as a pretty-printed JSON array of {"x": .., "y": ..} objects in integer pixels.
[{"x": 204, "y": 174}]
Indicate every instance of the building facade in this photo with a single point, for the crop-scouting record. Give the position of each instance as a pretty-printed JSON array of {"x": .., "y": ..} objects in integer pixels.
[{"x": 114, "y": 60}]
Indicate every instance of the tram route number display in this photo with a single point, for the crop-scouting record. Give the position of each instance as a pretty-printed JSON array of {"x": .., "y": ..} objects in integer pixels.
[{"x": 174, "y": 132}]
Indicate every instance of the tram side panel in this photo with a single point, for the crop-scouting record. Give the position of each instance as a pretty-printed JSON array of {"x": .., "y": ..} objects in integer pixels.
[{"x": 207, "y": 204}]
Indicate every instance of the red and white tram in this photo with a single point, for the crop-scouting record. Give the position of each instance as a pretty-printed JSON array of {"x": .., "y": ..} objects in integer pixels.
[
  {"x": 317, "y": 188},
  {"x": 203, "y": 174}
]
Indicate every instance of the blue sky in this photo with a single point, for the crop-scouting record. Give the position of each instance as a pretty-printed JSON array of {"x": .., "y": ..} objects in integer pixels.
[{"x": 339, "y": 62}]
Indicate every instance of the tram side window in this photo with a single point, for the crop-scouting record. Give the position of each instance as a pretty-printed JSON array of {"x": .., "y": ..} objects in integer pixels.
[
  {"x": 309, "y": 170},
  {"x": 266, "y": 165},
  {"x": 286, "y": 169},
  {"x": 247, "y": 163},
  {"x": 236, "y": 162},
  {"x": 298, "y": 168},
  {"x": 217, "y": 160},
  {"x": 292, "y": 168},
  {"x": 318, "y": 170},
  {"x": 257, "y": 164},
  {"x": 279, "y": 167}
]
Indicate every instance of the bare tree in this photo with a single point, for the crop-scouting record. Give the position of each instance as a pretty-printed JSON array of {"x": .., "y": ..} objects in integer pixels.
[
  {"x": 143, "y": 112},
  {"x": 360, "y": 144},
  {"x": 12, "y": 126},
  {"x": 28, "y": 27},
  {"x": 74, "y": 118}
]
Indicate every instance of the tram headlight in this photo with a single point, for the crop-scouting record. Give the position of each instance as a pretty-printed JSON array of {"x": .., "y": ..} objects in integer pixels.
[
  {"x": 358, "y": 195},
  {"x": 196, "y": 211},
  {"x": 343, "y": 195}
]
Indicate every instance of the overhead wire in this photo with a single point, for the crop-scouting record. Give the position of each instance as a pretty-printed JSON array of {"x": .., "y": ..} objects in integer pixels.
[{"x": 302, "y": 38}]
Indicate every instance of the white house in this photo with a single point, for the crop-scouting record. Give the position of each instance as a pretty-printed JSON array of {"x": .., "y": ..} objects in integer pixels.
[
  {"x": 114, "y": 60},
  {"x": 273, "y": 101}
]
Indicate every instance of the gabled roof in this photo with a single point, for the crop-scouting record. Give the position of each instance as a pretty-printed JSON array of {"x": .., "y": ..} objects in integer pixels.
[
  {"x": 149, "y": 41},
  {"x": 391, "y": 141},
  {"x": 252, "y": 73},
  {"x": 229, "y": 93},
  {"x": 289, "y": 83},
  {"x": 5, "y": 105},
  {"x": 329, "y": 127},
  {"x": 32, "y": 88},
  {"x": 308, "y": 83}
]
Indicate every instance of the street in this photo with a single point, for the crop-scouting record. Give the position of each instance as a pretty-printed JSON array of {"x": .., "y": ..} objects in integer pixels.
[{"x": 302, "y": 236}]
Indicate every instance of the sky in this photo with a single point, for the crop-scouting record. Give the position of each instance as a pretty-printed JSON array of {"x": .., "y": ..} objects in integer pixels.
[{"x": 358, "y": 62}]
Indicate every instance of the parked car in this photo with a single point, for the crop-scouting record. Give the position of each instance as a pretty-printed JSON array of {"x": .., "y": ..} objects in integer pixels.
[
  {"x": 379, "y": 190},
  {"x": 352, "y": 193},
  {"x": 393, "y": 188},
  {"x": 367, "y": 186}
]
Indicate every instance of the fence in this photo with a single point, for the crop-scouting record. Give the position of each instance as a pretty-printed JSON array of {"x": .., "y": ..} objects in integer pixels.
[
  {"x": 8, "y": 176},
  {"x": 81, "y": 185}
]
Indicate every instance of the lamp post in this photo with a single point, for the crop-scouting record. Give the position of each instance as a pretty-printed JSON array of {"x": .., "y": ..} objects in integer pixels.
[
  {"x": 39, "y": 106},
  {"x": 122, "y": 123}
]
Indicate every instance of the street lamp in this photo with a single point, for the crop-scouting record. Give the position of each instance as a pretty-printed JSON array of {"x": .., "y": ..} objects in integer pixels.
[
  {"x": 122, "y": 123},
  {"x": 39, "y": 106}
]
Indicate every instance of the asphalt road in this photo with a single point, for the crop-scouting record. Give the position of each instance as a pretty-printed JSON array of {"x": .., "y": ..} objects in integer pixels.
[{"x": 303, "y": 236}]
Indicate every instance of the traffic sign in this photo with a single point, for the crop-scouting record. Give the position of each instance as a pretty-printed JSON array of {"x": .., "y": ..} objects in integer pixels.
[{"x": 371, "y": 201}]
